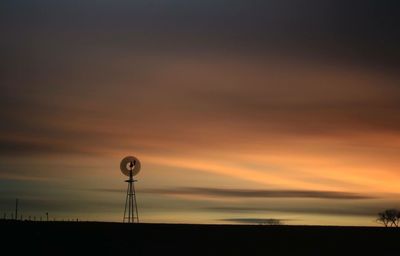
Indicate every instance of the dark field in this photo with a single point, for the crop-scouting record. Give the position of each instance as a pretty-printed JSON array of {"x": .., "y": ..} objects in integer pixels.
[{"x": 91, "y": 238}]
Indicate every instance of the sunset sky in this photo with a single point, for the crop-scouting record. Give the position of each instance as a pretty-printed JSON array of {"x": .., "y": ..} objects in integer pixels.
[{"x": 238, "y": 110}]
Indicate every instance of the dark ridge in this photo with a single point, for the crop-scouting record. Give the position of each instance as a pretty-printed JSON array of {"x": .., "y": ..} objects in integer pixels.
[{"x": 93, "y": 238}]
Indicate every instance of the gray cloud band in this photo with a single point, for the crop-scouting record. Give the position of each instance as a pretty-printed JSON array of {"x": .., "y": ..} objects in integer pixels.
[{"x": 260, "y": 193}]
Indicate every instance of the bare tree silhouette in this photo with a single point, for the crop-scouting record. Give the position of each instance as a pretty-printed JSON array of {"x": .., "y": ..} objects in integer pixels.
[
  {"x": 389, "y": 217},
  {"x": 382, "y": 218}
]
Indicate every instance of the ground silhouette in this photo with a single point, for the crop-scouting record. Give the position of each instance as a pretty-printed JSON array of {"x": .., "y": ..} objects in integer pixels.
[{"x": 91, "y": 238}]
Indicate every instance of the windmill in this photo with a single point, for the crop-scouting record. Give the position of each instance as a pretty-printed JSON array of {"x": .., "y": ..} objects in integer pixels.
[{"x": 130, "y": 166}]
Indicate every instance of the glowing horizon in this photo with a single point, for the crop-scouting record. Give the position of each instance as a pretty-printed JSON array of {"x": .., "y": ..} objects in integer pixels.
[{"x": 291, "y": 107}]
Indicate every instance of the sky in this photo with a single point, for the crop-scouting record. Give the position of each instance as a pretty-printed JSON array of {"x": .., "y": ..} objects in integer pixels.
[{"x": 239, "y": 111}]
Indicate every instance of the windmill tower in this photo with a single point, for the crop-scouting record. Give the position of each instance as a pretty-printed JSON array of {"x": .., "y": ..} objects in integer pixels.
[{"x": 130, "y": 166}]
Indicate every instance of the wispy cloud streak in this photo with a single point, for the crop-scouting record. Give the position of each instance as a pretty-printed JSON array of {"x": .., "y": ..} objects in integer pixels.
[
  {"x": 270, "y": 221},
  {"x": 257, "y": 193}
]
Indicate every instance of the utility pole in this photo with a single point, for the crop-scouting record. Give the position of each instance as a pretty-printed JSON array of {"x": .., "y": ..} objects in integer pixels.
[{"x": 16, "y": 209}]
